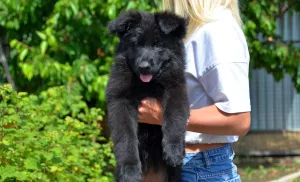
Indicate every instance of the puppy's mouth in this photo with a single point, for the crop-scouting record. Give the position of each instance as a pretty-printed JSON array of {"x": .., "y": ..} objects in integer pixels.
[{"x": 146, "y": 77}]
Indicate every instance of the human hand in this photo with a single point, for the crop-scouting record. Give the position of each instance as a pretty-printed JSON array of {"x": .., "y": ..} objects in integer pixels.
[{"x": 150, "y": 112}]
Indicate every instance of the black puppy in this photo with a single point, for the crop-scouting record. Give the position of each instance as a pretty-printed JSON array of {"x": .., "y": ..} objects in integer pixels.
[{"x": 149, "y": 62}]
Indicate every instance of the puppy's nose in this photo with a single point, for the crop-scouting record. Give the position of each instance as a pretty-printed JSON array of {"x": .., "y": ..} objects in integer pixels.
[{"x": 144, "y": 66}]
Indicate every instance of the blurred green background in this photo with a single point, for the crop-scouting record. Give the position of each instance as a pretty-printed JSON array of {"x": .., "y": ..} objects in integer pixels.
[{"x": 56, "y": 56}]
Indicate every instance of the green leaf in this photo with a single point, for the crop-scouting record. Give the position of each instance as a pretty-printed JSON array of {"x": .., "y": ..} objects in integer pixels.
[
  {"x": 48, "y": 156},
  {"x": 23, "y": 54},
  {"x": 112, "y": 12},
  {"x": 298, "y": 79},
  {"x": 13, "y": 43},
  {"x": 22, "y": 176},
  {"x": 7, "y": 172},
  {"x": 42, "y": 35},
  {"x": 43, "y": 47},
  {"x": 52, "y": 41},
  {"x": 68, "y": 13},
  {"x": 131, "y": 5},
  {"x": 257, "y": 9},
  {"x": 31, "y": 163},
  {"x": 27, "y": 70},
  {"x": 74, "y": 8}
]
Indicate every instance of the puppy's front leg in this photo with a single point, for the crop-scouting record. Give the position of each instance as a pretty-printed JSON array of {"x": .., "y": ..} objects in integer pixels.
[
  {"x": 175, "y": 115},
  {"x": 123, "y": 125}
]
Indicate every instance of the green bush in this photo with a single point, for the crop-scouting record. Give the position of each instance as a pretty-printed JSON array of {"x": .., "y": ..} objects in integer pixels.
[{"x": 54, "y": 136}]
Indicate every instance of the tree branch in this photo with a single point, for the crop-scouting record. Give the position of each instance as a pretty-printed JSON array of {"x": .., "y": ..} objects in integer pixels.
[
  {"x": 4, "y": 63},
  {"x": 283, "y": 10},
  {"x": 285, "y": 43}
]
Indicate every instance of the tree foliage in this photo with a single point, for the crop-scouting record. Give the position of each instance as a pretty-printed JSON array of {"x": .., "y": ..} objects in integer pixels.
[
  {"x": 267, "y": 48},
  {"x": 56, "y": 42}
]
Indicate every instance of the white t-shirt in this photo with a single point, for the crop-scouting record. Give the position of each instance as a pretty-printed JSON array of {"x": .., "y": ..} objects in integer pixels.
[{"x": 217, "y": 72}]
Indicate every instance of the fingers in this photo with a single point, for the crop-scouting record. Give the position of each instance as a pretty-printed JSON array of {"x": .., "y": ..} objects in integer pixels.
[
  {"x": 145, "y": 102},
  {"x": 150, "y": 103},
  {"x": 149, "y": 100},
  {"x": 149, "y": 111},
  {"x": 142, "y": 114},
  {"x": 142, "y": 109}
]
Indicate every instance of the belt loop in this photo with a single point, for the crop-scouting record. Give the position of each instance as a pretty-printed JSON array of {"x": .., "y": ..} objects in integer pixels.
[{"x": 206, "y": 158}]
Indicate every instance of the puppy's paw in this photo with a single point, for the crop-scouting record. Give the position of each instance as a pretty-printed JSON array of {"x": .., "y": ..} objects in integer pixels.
[
  {"x": 130, "y": 173},
  {"x": 173, "y": 154}
]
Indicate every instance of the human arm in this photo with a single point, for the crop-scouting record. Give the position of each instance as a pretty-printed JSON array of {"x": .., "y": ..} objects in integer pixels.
[
  {"x": 208, "y": 120},
  {"x": 211, "y": 120}
]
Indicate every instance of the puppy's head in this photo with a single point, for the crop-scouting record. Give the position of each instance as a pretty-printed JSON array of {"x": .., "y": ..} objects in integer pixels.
[{"x": 152, "y": 43}]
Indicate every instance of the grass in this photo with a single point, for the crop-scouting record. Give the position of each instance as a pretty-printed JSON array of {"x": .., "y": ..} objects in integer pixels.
[
  {"x": 265, "y": 169},
  {"x": 296, "y": 180}
]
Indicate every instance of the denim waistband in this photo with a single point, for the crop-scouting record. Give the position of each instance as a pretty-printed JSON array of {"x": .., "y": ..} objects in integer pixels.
[{"x": 207, "y": 158}]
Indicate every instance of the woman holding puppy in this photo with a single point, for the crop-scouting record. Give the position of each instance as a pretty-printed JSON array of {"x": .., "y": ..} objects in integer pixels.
[{"x": 218, "y": 88}]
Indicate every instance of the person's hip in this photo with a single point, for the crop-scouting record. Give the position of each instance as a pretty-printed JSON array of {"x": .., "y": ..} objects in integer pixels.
[
  {"x": 198, "y": 147},
  {"x": 210, "y": 165}
]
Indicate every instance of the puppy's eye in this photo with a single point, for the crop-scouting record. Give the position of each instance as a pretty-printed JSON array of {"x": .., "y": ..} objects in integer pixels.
[{"x": 165, "y": 57}]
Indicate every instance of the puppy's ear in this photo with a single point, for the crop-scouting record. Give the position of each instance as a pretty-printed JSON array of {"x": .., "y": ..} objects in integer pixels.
[
  {"x": 124, "y": 22},
  {"x": 169, "y": 23}
]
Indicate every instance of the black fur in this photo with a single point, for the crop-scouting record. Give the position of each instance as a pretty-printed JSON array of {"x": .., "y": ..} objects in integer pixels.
[{"x": 150, "y": 44}]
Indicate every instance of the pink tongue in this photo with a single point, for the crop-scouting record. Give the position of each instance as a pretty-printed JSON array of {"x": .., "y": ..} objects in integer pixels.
[{"x": 146, "y": 78}]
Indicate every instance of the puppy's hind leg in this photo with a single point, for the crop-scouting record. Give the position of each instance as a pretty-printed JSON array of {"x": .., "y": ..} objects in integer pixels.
[{"x": 123, "y": 124}]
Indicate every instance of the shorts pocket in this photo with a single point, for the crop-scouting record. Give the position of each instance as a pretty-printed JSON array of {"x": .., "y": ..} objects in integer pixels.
[{"x": 219, "y": 173}]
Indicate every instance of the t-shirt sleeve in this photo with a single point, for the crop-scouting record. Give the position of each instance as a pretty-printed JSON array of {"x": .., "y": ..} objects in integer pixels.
[
  {"x": 227, "y": 84},
  {"x": 224, "y": 74}
]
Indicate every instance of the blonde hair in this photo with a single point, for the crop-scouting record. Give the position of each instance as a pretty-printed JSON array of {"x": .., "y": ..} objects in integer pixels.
[{"x": 201, "y": 12}]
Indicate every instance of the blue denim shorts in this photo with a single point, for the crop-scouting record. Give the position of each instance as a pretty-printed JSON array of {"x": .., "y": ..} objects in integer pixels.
[{"x": 212, "y": 165}]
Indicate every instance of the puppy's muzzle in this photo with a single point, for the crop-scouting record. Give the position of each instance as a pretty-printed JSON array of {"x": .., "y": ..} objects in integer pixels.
[{"x": 144, "y": 67}]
